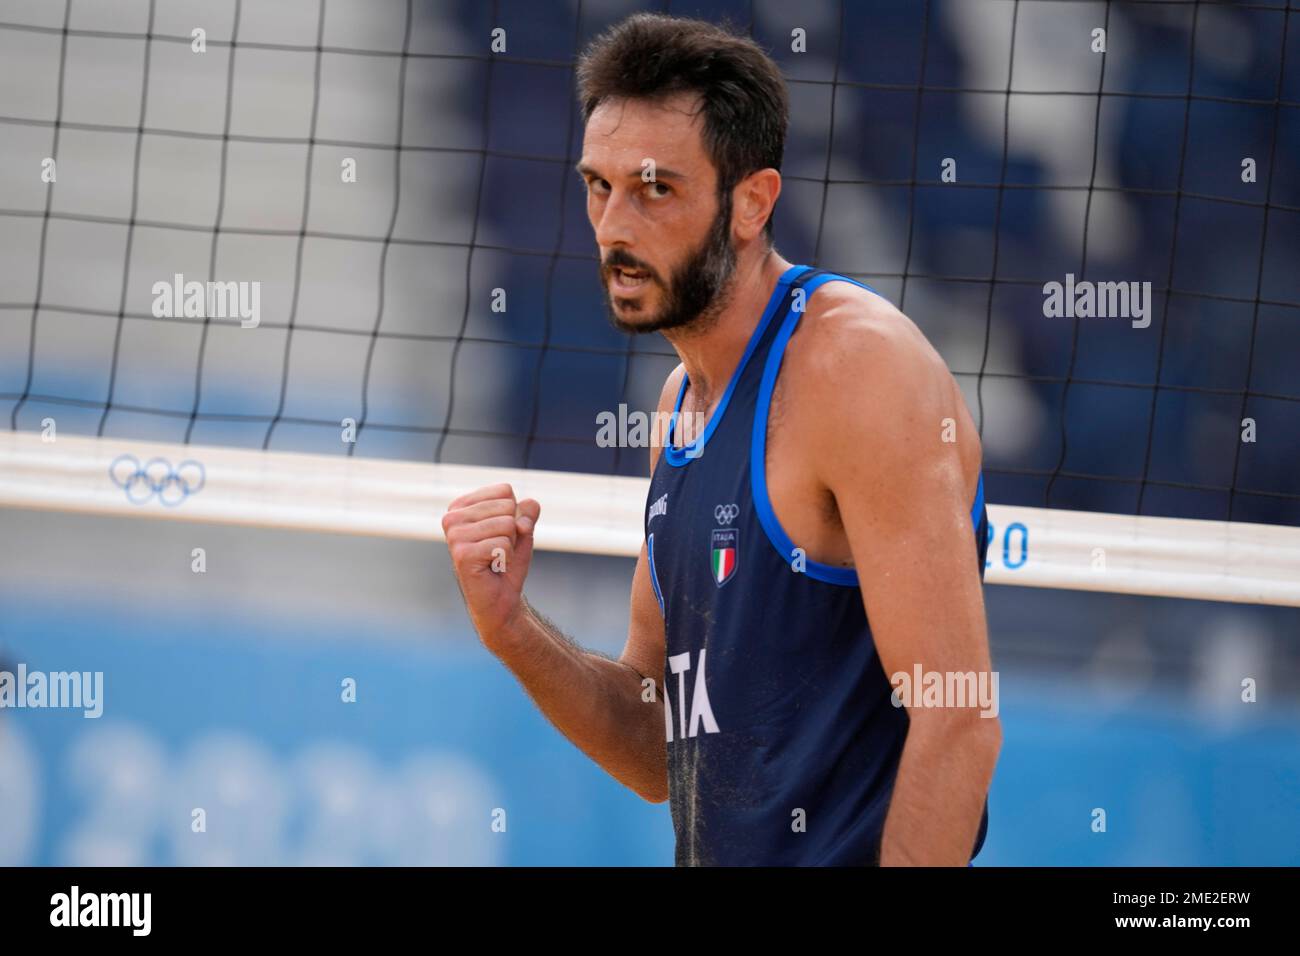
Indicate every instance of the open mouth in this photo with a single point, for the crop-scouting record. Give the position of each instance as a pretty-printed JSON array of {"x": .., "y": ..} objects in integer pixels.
[{"x": 628, "y": 280}]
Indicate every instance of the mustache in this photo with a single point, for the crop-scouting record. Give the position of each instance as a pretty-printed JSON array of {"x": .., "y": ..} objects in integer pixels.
[{"x": 622, "y": 259}]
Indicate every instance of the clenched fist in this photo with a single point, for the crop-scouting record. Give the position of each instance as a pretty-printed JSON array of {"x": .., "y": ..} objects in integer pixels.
[{"x": 490, "y": 537}]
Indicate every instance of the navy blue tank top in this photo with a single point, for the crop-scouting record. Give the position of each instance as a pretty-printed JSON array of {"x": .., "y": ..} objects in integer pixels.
[{"x": 783, "y": 741}]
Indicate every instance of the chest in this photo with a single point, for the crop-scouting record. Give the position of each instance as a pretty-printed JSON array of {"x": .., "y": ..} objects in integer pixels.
[{"x": 805, "y": 508}]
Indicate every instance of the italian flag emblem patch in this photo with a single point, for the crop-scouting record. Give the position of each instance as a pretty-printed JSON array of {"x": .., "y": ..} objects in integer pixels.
[{"x": 724, "y": 553}]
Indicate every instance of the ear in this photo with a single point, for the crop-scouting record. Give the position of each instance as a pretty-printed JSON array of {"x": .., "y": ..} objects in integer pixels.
[{"x": 752, "y": 203}]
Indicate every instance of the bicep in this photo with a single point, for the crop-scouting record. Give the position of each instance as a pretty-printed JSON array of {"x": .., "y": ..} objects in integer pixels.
[
  {"x": 645, "y": 648},
  {"x": 916, "y": 556},
  {"x": 903, "y": 489},
  {"x": 644, "y": 651}
]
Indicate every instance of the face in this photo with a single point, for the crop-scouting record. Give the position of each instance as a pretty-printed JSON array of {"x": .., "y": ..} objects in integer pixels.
[{"x": 666, "y": 251}]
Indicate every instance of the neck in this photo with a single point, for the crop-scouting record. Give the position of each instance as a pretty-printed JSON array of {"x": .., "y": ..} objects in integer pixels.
[{"x": 712, "y": 353}]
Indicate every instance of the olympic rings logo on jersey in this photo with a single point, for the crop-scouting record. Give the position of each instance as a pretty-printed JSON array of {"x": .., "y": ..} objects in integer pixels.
[
  {"x": 157, "y": 477},
  {"x": 725, "y": 514}
]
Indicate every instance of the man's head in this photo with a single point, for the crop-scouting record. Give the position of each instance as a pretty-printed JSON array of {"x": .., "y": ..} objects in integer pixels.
[{"x": 685, "y": 134}]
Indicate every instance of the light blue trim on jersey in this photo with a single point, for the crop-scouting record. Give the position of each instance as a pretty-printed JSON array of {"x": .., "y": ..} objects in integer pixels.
[
  {"x": 654, "y": 575},
  {"x": 978, "y": 506},
  {"x": 687, "y": 453},
  {"x": 826, "y": 573}
]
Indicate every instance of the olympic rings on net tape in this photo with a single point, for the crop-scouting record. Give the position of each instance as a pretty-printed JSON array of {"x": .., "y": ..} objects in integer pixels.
[{"x": 157, "y": 477}]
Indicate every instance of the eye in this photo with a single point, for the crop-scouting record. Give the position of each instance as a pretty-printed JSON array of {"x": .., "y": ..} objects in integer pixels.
[
  {"x": 597, "y": 186},
  {"x": 657, "y": 190}
]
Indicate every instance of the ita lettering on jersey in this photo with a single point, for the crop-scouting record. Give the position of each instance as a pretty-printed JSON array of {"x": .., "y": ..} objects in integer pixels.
[{"x": 701, "y": 711}]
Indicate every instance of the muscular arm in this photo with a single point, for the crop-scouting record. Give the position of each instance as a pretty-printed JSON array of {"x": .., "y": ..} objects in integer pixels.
[
  {"x": 904, "y": 496},
  {"x": 605, "y": 707}
]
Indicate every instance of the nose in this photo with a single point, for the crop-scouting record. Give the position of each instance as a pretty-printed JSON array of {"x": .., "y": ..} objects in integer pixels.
[{"x": 613, "y": 224}]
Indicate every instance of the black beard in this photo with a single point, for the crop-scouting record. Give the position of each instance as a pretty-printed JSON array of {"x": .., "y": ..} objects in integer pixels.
[{"x": 698, "y": 288}]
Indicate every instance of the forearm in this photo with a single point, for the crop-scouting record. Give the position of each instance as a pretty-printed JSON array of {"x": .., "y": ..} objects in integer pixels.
[
  {"x": 601, "y": 705},
  {"x": 939, "y": 793}
]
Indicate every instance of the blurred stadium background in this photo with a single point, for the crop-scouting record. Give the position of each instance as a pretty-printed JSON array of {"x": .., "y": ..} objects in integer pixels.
[{"x": 223, "y": 688}]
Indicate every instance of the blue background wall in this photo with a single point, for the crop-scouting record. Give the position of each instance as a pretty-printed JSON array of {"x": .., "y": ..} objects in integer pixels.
[{"x": 249, "y": 724}]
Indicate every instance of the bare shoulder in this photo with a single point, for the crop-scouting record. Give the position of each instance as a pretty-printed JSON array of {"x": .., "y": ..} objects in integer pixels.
[
  {"x": 857, "y": 368},
  {"x": 667, "y": 398},
  {"x": 848, "y": 332}
]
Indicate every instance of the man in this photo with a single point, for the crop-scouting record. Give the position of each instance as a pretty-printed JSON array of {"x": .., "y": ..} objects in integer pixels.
[{"x": 837, "y": 481}]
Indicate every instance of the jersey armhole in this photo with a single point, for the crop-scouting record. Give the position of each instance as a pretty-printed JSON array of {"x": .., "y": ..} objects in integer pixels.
[{"x": 776, "y": 535}]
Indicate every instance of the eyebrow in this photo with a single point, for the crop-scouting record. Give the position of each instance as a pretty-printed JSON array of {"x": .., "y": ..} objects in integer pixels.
[{"x": 660, "y": 172}]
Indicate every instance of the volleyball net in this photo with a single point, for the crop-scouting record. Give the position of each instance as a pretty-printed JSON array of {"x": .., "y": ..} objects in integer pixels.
[{"x": 325, "y": 265}]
